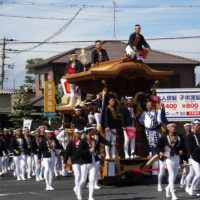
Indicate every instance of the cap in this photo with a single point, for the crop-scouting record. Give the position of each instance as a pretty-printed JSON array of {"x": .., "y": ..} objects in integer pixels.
[{"x": 78, "y": 108}]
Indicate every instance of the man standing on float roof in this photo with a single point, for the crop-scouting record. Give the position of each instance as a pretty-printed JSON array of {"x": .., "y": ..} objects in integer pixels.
[{"x": 137, "y": 47}]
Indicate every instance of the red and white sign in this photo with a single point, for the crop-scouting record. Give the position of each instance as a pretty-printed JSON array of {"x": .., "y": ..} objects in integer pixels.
[{"x": 180, "y": 104}]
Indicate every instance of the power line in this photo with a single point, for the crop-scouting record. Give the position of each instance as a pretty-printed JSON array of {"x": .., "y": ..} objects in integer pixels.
[
  {"x": 32, "y": 17},
  {"x": 89, "y": 41},
  {"x": 97, "y": 6},
  {"x": 63, "y": 28}
]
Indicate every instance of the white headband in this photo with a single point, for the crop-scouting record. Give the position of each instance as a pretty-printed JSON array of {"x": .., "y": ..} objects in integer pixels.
[{"x": 171, "y": 124}]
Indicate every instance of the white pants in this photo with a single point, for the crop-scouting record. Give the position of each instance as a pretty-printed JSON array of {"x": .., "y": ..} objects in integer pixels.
[
  {"x": 184, "y": 175},
  {"x": 90, "y": 171},
  {"x": 91, "y": 119},
  {"x": 161, "y": 172},
  {"x": 97, "y": 173},
  {"x": 20, "y": 163},
  {"x": 97, "y": 117},
  {"x": 5, "y": 163},
  {"x": 190, "y": 175},
  {"x": 132, "y": 53},
  {"x": 172, "y": 164},
  {"x": 42, "y": 169},
  {"x": 37, "y": 166},
  {"x": 77, "y": 175},
  {"x": 112, "y": 138},
  {"x": 196, "y": 179},
  {"x": 126, "y": 144},
  {"x": 29, "y": 165},
  {"x": 49, "y": 164}
]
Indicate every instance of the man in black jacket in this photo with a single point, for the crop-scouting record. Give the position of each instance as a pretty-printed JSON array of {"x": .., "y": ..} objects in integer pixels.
[
  {"x": 128, "y": 123},
  {"x": 137, "y": 46},
  {"x": 110, "y": 123},
  {"x": 98, "y": 54},
  {"x": 193, "y": 140},
  {"x": 89, "y": 157}
]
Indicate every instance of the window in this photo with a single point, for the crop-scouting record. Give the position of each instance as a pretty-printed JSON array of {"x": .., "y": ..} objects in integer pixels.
[{"x": 42, "y": 78}]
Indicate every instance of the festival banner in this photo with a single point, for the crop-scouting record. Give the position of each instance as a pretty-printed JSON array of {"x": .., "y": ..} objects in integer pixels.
[
  {"x": 180, "y": 104},
  {"x": 27, "y": 123},
  {"x": 49, "y": 98}
]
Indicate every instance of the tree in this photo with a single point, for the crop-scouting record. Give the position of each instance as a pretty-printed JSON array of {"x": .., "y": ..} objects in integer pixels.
[{"x": 22, "y": 107}]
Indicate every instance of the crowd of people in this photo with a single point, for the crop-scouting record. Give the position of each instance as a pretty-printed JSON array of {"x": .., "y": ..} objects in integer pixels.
[{"x": 44, "y": 153}]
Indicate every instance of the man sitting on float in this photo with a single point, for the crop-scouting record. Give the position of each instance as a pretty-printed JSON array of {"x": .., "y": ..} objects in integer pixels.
[{"x": 137, "y": 47}]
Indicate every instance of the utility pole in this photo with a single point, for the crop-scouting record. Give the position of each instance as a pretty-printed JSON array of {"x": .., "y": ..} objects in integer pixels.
[
  {"x": 3, "y": 63},
  {"x": 114, "y": 19}
]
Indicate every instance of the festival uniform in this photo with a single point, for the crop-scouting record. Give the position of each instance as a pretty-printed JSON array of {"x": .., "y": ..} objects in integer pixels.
[
  {"x": 136, "y": 40},
  {"x": 110, "y": 121},
  {"x": 151, "y": 121},
  {"x": 171, "y": 150},
  {"x": 79, "y": 121},
  {"x": 90, "y": 162},
  {"x": 99, "y": 56},
  {"x": 184, "y": 159},
  {"x": 71, "y": 151},
  {"x": 128, "y": 122},
  {"x": 18, "y": 146},
  {"x": 99, "y": 139},
  {"x": 193, "y": 140},
  {"x": 6, "y": 159},
  {"x": 2, "y": 150},
  {"x": 35, "y": 149},
  {"x": 29, "y": 157},
  {"x": 47, "y": 150},
  {"x": 63, "y": 137}
]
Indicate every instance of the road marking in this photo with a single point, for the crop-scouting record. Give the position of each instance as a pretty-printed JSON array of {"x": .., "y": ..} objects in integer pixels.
[{"x": 9, "y": 194}]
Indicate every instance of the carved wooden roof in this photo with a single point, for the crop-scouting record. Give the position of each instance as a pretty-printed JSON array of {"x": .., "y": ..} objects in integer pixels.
[{"x": 119, "y": 74}]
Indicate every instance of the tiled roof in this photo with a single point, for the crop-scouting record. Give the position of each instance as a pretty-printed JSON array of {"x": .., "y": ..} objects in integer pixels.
[
  {"x": 7, "y": 92},
  {"x": 115, "y": 50}
]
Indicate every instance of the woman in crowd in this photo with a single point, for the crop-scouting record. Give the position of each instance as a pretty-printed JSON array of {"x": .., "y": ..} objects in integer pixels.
[
  {"x": 47, "y": 148},
  {"x": 18, "y": 147},
  {"x": 170, "y": 147},
  {"x": 72, "y": 152}
]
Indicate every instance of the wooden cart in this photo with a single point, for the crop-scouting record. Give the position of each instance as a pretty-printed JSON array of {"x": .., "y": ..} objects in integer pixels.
[{"x": 125, "y": 78}]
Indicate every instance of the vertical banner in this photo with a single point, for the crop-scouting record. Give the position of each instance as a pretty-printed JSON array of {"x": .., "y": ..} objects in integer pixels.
[
  {"x": 27, "y": 123},
  {"x": 49, "y": 98}
]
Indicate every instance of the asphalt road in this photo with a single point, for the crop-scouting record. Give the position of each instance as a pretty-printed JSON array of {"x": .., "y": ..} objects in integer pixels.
[{"x": 144, "y": 188}]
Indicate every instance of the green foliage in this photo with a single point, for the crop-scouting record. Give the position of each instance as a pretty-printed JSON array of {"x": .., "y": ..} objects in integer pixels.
[{"x": 22, "y": 109}]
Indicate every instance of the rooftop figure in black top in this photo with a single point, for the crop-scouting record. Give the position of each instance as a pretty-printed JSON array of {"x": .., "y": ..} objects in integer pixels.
[{"x": 137, "y": 47}]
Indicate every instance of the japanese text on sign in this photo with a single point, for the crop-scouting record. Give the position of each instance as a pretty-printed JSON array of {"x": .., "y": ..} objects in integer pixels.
[
  {"x": 180, "y": 104},
  {"x": 49, "y": 96}
]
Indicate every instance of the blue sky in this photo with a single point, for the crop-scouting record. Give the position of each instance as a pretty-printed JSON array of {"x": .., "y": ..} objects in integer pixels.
[{"x": 157, "y": 18}]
